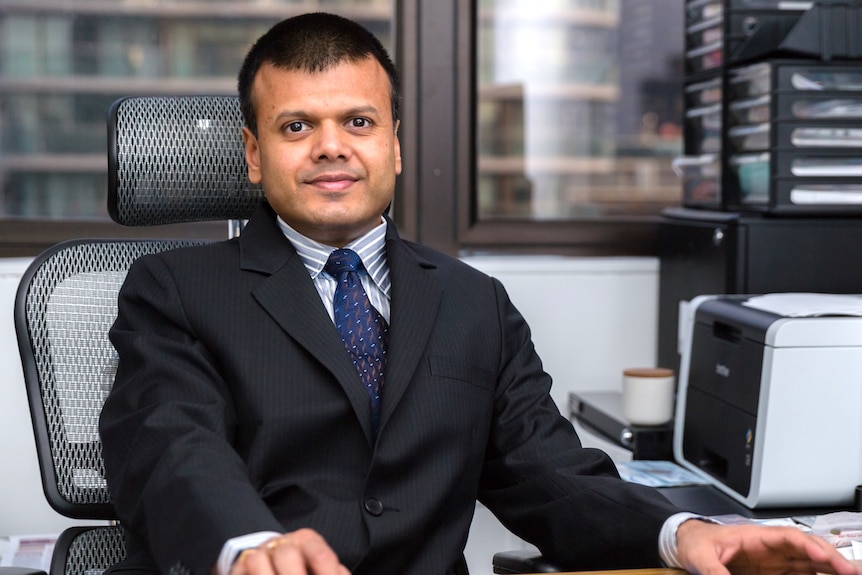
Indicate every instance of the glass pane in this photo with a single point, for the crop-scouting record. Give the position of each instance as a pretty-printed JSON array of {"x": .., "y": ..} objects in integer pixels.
[
  {"x": 579, "y": 107},
  {"x": 63, "y": 62}
]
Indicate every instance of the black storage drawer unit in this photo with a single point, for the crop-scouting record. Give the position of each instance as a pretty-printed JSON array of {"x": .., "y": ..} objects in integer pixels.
[
  {"x": 723, "y": 32},
  {"x": 772, "y": 121},
  {"x": 794, "y": 137}
]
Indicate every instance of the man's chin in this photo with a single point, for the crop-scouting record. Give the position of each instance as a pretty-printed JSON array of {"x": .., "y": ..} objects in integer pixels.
[{"x": 341, "y": 231}]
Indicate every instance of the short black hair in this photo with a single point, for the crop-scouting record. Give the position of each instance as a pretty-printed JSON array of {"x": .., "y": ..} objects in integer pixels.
[{"x": 312, "y": 42}]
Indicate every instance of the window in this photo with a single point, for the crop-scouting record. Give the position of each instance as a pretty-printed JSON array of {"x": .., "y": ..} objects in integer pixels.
[
  {"x": 565, "y": 116},
  {"x": 559, "y": 136}
]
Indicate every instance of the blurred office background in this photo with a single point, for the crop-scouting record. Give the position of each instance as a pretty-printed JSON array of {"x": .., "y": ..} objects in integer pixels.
[
  {"x": 534, "y": 133},
  {"x": 571, "y": 108}
]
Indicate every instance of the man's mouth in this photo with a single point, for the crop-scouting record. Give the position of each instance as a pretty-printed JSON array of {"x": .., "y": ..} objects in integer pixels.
[{"x": 333, "y": 182}]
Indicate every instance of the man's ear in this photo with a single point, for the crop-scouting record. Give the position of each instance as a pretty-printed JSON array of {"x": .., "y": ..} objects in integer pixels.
[
  {"x": 397, "y": 150},
  {"x": 252, "y": 155}
]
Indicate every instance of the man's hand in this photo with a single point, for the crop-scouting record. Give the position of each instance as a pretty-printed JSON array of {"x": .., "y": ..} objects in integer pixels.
[
  {"x": 711, "y": 549},
  {"x": 302, "y": 552}
]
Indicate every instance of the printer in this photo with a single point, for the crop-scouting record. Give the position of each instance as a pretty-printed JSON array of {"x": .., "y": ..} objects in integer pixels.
[{"x": 769, "y": 400}]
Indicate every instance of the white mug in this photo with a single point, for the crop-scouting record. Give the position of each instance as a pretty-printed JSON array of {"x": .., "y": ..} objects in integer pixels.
[{"x": 648, "y": 395}]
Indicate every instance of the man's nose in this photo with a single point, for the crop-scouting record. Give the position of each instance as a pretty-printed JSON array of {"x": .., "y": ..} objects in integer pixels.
[{"x": 331, "y": 143}]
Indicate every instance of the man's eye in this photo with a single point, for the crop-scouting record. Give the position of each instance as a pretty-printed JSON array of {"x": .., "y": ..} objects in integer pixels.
[
  {"x": 294, "y": 127},
  {"x": 359, "y": 123}
]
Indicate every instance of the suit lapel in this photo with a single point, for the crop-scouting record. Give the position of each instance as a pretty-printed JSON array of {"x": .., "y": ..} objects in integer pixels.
[
  {"x": 416, "y": 296},
  {"x": 290, "y": 298}
]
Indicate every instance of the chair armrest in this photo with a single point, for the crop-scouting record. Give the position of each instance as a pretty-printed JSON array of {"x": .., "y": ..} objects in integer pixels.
[{"x": 522, "y": 561}]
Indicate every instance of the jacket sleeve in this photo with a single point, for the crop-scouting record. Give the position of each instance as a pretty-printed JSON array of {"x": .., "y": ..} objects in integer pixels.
[
  {"x": 543, "y": 485},
  {"x": 167, "y": 427}
]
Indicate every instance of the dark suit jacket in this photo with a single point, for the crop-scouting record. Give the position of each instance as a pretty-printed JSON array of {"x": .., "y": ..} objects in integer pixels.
[{"x": 236, "y": 409}]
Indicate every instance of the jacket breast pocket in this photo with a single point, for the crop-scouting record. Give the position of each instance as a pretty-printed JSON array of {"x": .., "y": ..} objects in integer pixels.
[{"x": 457, "y": 369}]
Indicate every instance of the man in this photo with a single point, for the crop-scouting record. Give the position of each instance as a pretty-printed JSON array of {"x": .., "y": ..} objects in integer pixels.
[{"x": 245, "y": 435}]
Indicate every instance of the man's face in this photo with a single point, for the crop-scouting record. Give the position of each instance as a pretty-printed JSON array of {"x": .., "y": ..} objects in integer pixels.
[{"x": 326, "y": 150}]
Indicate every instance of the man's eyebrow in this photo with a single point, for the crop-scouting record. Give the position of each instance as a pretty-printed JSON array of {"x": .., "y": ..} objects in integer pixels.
[
  {"x": 356, "y": 111},
  {"x": 291, "y": 114},
  {"x": 362, "y": 110}
]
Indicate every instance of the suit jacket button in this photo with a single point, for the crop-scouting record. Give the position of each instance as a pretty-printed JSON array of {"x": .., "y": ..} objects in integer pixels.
[{"x": 373, "y": 506}]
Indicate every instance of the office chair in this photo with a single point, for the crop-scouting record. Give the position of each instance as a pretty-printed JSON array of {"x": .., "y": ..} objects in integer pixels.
[{"x": 171, "y": 159}]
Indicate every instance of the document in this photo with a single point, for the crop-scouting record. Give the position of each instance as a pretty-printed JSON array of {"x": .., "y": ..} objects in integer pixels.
[
  {"x": 657, "y": 473},
  {"x": 33, "y": 551},
  {"x": 842, "y": 529}
]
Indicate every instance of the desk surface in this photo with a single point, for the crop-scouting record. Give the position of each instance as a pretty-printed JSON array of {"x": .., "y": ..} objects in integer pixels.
[
  {"x": 709, "y": 500},
  {"x": 656, "y": 571},
  {"x": 648, "y": 571}
]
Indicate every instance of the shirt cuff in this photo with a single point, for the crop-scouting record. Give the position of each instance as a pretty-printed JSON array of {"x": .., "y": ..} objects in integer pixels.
[
  {"x": 667, "y": 547},
  {"x": 233, "y": 547}
]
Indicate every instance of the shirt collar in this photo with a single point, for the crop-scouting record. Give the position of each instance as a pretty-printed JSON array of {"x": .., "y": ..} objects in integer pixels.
[{"x": 371, "y": 248}]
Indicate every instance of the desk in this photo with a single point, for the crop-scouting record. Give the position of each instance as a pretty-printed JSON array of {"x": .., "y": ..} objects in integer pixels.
[
  {"x": 657, "y": 571},
  {"x": 709, "y": 500}
]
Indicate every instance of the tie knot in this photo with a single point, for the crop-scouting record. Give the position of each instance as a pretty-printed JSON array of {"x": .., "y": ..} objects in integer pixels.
[{"x": 342, "y": 261}]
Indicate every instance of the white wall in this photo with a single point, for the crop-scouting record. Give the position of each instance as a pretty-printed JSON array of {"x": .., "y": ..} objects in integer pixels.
[{"x": 591, "y": 318}]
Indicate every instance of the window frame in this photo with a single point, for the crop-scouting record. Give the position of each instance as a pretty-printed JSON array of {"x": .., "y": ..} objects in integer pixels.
[{"x": 437, "y": 50}]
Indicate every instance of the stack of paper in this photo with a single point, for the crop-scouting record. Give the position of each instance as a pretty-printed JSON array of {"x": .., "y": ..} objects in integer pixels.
[{"x": 807, "y": 304}]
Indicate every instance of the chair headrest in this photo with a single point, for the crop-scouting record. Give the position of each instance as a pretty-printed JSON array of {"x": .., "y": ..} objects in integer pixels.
[{"x": 174, "y": 159}]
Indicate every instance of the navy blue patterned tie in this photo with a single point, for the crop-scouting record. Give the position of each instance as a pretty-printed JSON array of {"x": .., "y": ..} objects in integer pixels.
[{"x": 363, "y": 330}]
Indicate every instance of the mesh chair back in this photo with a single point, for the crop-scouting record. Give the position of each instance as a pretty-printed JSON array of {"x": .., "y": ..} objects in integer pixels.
[
  {"x": 66, "y": 302},
  {"x": 175, "y": 159},
  {"x": 88, "y": 550}
]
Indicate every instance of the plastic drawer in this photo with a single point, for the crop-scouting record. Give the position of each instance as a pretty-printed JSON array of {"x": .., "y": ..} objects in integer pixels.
[
  {"x": 703, "y": 127},
  {"x": 701, "y": 179},
  {"x": 697, "y": 11}
]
